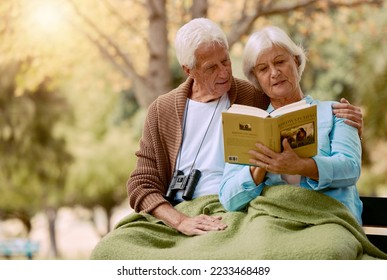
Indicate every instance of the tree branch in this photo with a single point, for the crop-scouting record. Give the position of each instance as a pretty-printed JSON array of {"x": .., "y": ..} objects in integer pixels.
[
  {"x": 113, "y": 12},
  {"x": 105, "y": 53},
  {"x": 116, "y": 55},
  {"x": 269, "y": 8}
]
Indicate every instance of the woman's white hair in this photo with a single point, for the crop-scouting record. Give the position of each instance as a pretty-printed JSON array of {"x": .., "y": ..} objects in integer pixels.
[
  {"x": 264, "y": 39},
  {"x": 192, "y": 34}
]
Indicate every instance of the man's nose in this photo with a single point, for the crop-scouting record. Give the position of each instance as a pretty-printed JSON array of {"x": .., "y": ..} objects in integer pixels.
[{"x": 223, "y": 71}]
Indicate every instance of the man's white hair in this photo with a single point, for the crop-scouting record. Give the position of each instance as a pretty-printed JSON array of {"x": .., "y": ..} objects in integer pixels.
[{"x": 194, "y": 33}]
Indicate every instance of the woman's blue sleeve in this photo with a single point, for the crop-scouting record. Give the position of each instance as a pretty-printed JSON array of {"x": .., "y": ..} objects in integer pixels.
[
  {"x": 339, "y": 157},
  {"x": 237, "y": 188}
]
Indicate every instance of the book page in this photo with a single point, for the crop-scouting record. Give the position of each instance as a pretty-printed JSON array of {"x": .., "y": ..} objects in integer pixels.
[
  {"x": 247, "y": 110},
  {"x": 289, "y": 108}
]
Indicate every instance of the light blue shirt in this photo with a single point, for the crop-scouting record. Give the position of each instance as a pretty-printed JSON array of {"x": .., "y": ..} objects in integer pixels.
[{"x": 338, "y": 162}]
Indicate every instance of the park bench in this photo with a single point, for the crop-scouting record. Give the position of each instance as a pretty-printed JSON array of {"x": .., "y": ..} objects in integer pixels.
[
  {"x": 375, "y": 220},
  {"x": 18, "y": 247}
]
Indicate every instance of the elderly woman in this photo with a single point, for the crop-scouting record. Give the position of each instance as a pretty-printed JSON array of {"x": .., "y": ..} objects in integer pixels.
[{"x": 274, "y": 64}]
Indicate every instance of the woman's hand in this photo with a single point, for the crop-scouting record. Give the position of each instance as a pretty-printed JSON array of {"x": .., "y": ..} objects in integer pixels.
[
  {"x": 352, "y": 114},
  {"x": 258, "y": 174},
  {"x": 286, "y": 162},
  {"x": 280, "y": 163}
]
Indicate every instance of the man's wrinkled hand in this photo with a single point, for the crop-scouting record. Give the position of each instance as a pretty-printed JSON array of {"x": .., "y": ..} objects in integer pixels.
[
  {"x": 352, "y": 114},
  {"x": 200, "y": 225}
]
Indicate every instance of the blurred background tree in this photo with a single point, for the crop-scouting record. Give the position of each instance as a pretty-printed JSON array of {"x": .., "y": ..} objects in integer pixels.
[
  {"x": 34, "y": 161},
  {"x": 76, "y": 78}
]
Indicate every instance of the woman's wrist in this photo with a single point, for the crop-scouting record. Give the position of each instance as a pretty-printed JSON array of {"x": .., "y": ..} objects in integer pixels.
[{"x": 257, "y": 174}]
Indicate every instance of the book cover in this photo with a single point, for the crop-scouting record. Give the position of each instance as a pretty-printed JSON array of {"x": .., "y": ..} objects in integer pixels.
[{"x": 243, "y": 126}]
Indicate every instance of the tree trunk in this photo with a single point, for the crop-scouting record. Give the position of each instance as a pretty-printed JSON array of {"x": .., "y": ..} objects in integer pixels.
[
  {"x": 51, "y": 214},
  {"x": 158, "y": 79},
  {"x": 109, "y": 213},
  {"x": 199, "y": 8}
]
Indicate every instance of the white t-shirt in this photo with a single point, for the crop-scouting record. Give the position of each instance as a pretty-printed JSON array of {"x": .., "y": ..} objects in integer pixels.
[{"x": 210, "y": 159}]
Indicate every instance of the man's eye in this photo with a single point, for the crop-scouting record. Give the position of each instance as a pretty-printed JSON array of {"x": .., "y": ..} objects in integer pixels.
[
  {"x": 226, "y": 62},
  {"x": 211, "y": 69}
]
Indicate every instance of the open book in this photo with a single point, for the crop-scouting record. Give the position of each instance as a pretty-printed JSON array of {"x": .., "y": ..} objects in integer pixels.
[{"x": 243, "y": 126}]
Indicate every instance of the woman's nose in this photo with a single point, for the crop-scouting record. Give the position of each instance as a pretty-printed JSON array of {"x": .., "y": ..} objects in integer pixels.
[{"x": 274, "y": 71}]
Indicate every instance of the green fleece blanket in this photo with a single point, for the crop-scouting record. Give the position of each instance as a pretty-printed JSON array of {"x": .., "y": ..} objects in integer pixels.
[{"x": 285, "y": 222}]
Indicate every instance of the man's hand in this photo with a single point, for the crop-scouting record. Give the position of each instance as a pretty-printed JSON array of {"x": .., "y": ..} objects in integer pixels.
[
  {"x": 190, "y": 226},
  {"x": 200, "y": 225},
  {"x": 352, "y": 114}
]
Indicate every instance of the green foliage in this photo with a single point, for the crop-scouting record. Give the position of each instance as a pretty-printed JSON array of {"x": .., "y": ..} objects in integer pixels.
[
  {"x": 372, "y": 183},
  {"x": 102, "y": 138},
  {"x": 34, "y": 160},
  {"x": 102, "y": 167},
  {"x": 126, "y": 107},
  {"x": 178, "y": 75}
]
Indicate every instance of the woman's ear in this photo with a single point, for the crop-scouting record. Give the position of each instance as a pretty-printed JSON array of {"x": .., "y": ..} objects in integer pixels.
[{"x": 297, "y": 60}]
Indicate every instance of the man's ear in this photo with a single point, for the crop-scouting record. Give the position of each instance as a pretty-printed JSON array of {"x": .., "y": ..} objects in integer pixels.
[{"x": 186, "y": 70}]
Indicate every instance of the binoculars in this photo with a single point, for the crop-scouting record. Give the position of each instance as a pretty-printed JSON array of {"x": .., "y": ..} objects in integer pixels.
[{"x": 182, "y": 182}]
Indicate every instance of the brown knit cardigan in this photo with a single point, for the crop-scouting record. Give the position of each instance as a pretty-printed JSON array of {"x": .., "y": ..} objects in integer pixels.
[{"x": 161, "y": 139}]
